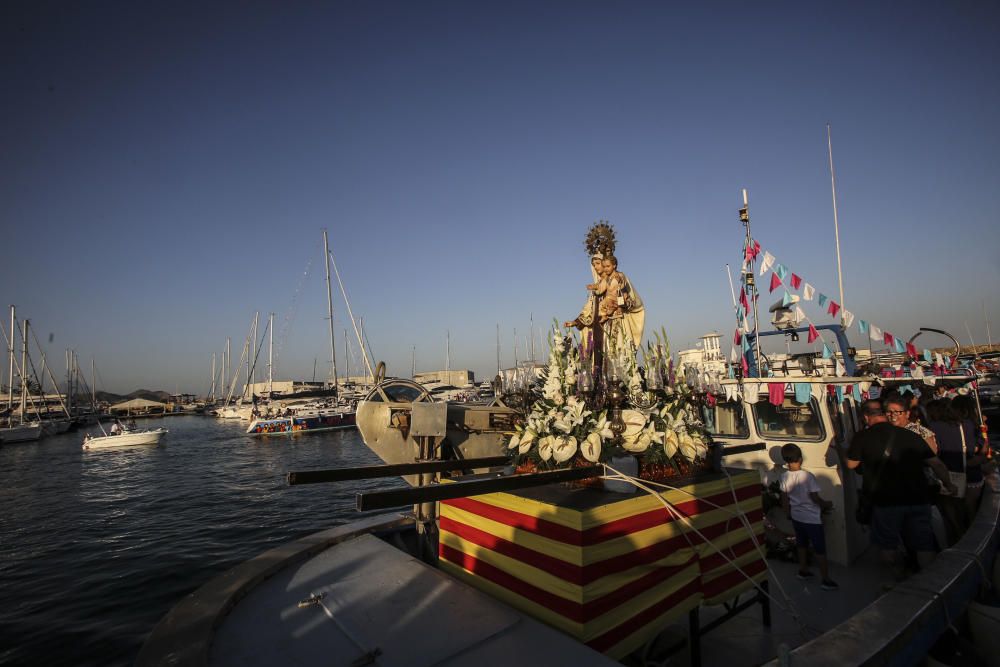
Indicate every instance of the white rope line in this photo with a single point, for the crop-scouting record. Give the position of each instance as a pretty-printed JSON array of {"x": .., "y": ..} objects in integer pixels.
[{"x": 686, "y": 520}]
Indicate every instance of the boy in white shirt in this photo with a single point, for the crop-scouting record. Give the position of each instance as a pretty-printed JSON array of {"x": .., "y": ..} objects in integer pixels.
[{"x": 803, "y": 505}]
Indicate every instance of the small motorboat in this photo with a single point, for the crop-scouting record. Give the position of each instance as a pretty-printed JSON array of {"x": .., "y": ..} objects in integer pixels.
[{"x": 126, "y": 438}]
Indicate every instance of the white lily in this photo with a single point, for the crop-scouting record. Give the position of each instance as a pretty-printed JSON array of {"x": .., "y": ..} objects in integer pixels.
[
  {"x": 603, "y": 427},
  {"x": 576, "y": 411},
  {"x": 564, "y": 449},
  {"x": 591, "y": 447}
]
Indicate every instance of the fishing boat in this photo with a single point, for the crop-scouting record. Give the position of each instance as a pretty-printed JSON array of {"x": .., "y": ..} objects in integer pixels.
[
  {"x": 126, "y": 438},
  {"x": 547, "y": 528}
]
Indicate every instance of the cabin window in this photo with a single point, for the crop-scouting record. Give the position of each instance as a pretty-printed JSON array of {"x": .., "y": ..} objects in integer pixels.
[
  {"x": 791, "y": 420},
  {"x": 726, "y": 419}
]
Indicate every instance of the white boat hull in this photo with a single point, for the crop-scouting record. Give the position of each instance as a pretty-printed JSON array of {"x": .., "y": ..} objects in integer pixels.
[
  {"x": 24, "y": 433},
  {"x": 125, "y": 439}
]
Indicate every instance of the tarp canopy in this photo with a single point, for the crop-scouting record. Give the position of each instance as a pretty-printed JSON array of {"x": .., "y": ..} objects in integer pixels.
[{"x": 137, "y": 404}]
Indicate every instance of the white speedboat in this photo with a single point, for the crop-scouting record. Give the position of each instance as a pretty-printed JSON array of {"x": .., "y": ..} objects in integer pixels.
[{"x": 125, "y": 439}]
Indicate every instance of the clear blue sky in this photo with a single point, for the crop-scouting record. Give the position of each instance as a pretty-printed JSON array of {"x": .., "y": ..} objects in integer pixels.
[{"x": 166, "y": 169}]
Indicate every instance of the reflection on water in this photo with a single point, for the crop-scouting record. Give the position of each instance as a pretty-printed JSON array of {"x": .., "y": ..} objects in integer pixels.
[{"x": 96, "y": 546}]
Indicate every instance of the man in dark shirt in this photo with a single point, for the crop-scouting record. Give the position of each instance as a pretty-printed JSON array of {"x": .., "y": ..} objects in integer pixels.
[{"x": 894, "y": 460}]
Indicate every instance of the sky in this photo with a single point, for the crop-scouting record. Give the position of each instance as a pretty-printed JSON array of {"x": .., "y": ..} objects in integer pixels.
[{"x": 167, "y": 170}]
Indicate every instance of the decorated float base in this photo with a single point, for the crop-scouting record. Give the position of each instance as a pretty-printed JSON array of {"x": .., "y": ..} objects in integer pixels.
[{"x": 611, "y": 570}]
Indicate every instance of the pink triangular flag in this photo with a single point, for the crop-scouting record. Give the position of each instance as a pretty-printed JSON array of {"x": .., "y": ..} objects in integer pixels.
[
  {"x": 833, "y": 308},
  {"x": 911, "y": 350},
  {"x": 813, "y": 334},
  {"x": 888, "y": 338},
  {"x": 796, "y": 281},
  {"x": 775, "y": 282}
]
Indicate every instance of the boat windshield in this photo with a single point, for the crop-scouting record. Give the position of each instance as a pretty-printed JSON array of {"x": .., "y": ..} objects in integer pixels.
[
  {"x": 398, "y": 393},
  {"x": 791, "y": 420},
  {"x": 727, "y": 419}
]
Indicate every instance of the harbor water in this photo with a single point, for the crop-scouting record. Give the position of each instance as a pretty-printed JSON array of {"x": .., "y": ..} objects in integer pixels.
[{"x": 96, "y": 546}]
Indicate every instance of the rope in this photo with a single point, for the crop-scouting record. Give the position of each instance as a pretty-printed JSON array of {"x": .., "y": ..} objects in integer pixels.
[{"x": 788, "y": 607}]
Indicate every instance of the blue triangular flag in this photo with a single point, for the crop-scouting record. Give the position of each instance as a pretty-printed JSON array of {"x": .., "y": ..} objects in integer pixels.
[
  {"x": 905, "y": 388},
  {"x": 732, "y": 373},
  {"x": 781, "y": 271},
  {"x": 746, "y": 344},
  {"x": 787, "y": 299},
  {"x": 827, "y": 353},
  {"x": 840, "y": 394},
  {"x": 899, "y": 346},
  {"x": 857, "y": 393},
  {"x": 927, "y": 356},
  {"x": 863, "y": 326},
  {"x": 822, "y": 300}
]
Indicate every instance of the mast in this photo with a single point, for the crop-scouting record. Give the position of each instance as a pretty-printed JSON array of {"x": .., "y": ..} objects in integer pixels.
[
  {"x": 211, "y": 392},
  {"x": 447, "y": 353},
  {"x": 10, "y": 372},
  {"x": 270, "y": 354},
  {"x": 531, "y": 333},
  {"x": 989, "y": 338},
  {"x": 93, "y": 389},
  {"x": 749, "y": 282},
  {"x": 836, "y": 226},
  {"x": 24, "y": 361},
  {"x": 347, "y": 356},
  {"x": 329, "y": 308},
  {"x": 498, "y": 349},
  {"x": 413, "y": 362}
]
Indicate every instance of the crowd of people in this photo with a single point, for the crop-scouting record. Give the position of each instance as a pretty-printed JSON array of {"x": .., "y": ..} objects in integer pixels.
[{"x": 914, "y": 455}]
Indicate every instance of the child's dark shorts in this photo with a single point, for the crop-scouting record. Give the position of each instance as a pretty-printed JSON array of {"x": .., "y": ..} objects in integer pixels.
[{"x": 810, "y": 533}]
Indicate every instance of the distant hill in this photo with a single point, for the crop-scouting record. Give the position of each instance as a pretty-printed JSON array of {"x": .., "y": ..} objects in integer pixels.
[{"x": 161, "y": 396}]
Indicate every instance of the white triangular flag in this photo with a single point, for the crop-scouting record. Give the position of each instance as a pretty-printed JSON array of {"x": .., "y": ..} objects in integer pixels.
[
  {"x": 917, "y": 371},
  {"x": 839, "y": 368},
  {"x": 938, "y": 359},
  {"x": 848, "y": 317},
  {"x": 766, "y": 263},
  {"x": 734, "y": 355},
  {"x": 799, "y": 314},
  {"x": 875, "y": 333},
  {"x": 808, "y": 291}
]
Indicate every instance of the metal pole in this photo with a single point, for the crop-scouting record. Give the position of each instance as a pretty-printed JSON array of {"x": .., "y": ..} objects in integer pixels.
[
  {"x": 10, "y": 372},
  {"x": 836, "y": 225},
  {"x": 270, "y": 355},
  {"x": 329, "y": 307},
  {"x": 751, "y": 283},
  {"x": 24, "y": 361}
]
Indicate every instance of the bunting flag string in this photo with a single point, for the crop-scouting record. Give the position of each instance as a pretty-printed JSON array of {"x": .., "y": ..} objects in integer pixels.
[{"x": 865, "y": 327}]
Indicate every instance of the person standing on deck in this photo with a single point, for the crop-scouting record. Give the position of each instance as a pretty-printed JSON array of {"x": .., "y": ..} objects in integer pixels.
[{"x": 894, "y": 459}]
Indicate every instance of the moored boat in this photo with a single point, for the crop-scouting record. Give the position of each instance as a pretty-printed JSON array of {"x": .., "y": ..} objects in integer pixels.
[{"x": 313, "y": 421}]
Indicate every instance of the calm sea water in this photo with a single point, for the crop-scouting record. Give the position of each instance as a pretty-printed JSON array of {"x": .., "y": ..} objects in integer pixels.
[{"x": 96, "y": 546}]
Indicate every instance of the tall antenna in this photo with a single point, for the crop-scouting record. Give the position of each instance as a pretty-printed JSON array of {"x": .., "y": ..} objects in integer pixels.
[{"x": 836, "y": 226}]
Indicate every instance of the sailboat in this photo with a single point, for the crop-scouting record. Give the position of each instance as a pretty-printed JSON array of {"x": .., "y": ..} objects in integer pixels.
[
  {"x": 323, "y": 415},
  {"x": 20, "y": 432}
]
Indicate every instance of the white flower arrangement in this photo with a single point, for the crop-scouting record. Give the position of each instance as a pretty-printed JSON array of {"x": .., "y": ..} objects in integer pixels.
[{"x": 560, "y": 428}]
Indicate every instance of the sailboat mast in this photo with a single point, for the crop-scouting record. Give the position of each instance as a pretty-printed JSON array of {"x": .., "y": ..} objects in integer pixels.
[
  {"x": 329, "y": 307},
  {"x": 10, "y": 371},
  {"x": 447, "y": 353},
  {"x": 498, "y": 349},
  {"x": 749, "y": 283},
  {"x": 24, "y": 361},
  {"x": 211, "y": 393},
  {"x": 270, "y": 353},
  {"x": 836, "y": 225}
]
